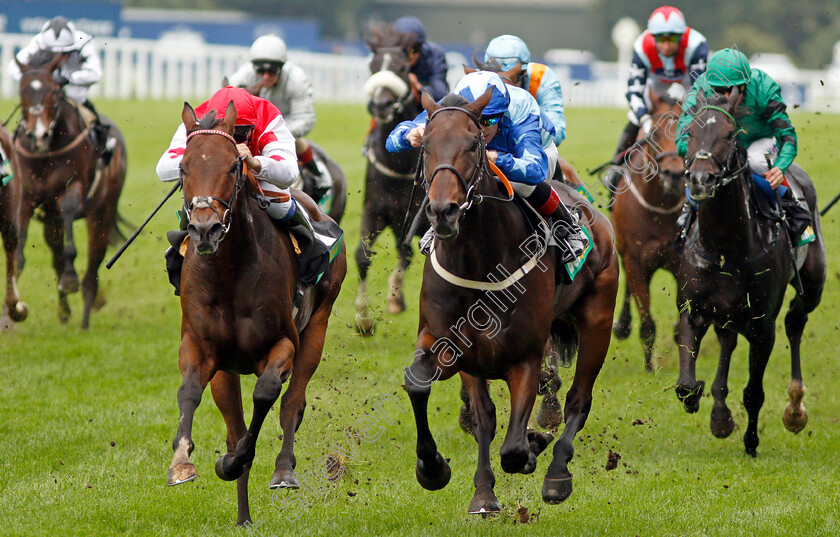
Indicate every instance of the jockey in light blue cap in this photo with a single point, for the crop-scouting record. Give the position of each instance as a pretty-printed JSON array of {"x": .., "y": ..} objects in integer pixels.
[
  {"x": 512, "y": 127},
  {"x": 540, "y": 81}
]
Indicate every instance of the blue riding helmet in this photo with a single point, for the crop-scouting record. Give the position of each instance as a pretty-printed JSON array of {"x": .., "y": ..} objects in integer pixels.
[
  {"x": 473, "y": 86},
  {"x": 411, "y": 25},
  {"x": 507, "y": 50}
]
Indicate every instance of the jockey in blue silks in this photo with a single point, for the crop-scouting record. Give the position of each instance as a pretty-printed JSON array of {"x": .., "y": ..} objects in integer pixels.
[
  {"x": 427, "y": 59},
  {"x": 515, "y": 136}
]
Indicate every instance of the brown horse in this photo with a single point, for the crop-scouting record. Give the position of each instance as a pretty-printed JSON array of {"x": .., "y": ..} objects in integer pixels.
[
  {"x": 13, "y": 309},
  {"x": 237, "y": 308},
  {"x": 486, "y": 315},
  {"x": 735, "y": 268},
  {"x": 60, "y": 171},
  {"x": 388, "y": 176},
  {"x": 644, "y": 214}
]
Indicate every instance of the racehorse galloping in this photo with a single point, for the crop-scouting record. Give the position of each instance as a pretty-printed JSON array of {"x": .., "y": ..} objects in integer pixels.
[
  {"x": 485, "y": 330},
  {"x": 238, "y": 285},
  {"x": 58, "y": 172},
  {"x": 735, "y": 269},
  {"x": 388, "y": 176},
  {"x": 644, "y": 216},
  {"x": 13, "y": 309}
]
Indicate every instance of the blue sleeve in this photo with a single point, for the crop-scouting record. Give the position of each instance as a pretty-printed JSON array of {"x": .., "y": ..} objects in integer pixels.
[
  {"x": 397, "y": 141},
  {"x": 698, "y": 62},
  {"x": 550, "y": 100},
  {"x": 435, "y": 69},
  {"x": 636, "y": 86},
  {"x": 526, "y": 162}
]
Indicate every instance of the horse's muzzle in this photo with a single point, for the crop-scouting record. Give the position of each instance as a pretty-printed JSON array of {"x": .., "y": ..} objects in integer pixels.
[
  {"x": 701, "y": 185},
  {"x": 444, "y": 217},
  {"x": 206, "y": 236}
]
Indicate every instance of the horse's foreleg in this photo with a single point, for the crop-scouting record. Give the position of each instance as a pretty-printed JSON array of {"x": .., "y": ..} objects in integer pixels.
[
  {"x": 689, "y": 390},
  {"x": 432, "y": 470},
  {"x": 293, "y": 403},
  {"x": 372, "y": 226},
  {"x": 621, "y": 327},
  {"x": 227, "y": 393},
  {"x": 13, "y": 307},
  {"x": 266, "y": 391},
  {"x": 722, "y": 423},
  {"x": 70, "y": 206},
  {"x": 196, "y": 373},
  {"x": 99, "y": 227},
  {"x": 483, "y": 415},
  {"x": 761, "y": 345},
  {"x": 54, "y": 237},
  {"x": 638, "y": 283},
  {"x": 594, "y": 329},
  {"x": 396, "y": 299},
  {"x": 522, "y": 380}
]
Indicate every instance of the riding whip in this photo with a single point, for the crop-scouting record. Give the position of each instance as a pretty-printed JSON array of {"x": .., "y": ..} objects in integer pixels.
[
  {"x": 830, "y": 204},
  {"x": 139, "y": 229}
]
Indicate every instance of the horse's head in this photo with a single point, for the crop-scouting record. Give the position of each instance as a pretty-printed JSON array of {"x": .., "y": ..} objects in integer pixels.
[
  {"x": 212, "y": 174},
  {"x": 712, "y": 150},
  {"x": 666, "y": 111},
  {"x": 453, "y": 158},
  {"x": 40, "y": 95},
  {"x": 388, "y": 87}
]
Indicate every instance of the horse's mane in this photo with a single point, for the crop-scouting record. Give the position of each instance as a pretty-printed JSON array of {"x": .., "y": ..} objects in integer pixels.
[
  {"x": 453, "y": 99},
  {"x": 209, "y": 120},
  {"x": 41, "y": 58}
]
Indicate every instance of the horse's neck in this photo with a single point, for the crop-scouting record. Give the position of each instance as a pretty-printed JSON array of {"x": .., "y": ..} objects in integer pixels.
[
  {"x": 402, "y": 162},
  {"x": 68, "y": 122},
  {"x": 725, "y": 224}
]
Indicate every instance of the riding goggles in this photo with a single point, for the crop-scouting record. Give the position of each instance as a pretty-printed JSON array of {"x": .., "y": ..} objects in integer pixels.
[
  {"x": 271, "y": 68},
  {"x": 489, "y": 121},
  {"x": 667, "y": 38}
]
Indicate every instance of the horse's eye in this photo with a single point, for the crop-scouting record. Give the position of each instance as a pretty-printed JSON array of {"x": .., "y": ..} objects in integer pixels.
[
  {"x": 474, "y": 146},
  {"x": 234, "y": 168}
]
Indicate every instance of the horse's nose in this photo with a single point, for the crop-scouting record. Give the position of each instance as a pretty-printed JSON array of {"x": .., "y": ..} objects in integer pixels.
[
  {"x": 697, "y": 185},
  {"x": 443, "y": 216},
  {"x": 206, "y": 236}
]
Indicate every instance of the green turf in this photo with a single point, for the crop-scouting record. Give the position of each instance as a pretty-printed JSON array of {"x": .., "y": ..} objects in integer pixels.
[{"x": 87, "y": 419}]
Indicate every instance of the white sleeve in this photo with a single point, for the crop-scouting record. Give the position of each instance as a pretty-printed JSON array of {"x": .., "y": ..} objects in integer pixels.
[
  {"x": 278, "y": 159},
  {"x": 90, "y": 69},
  {"x": 301, "y": 116},
  {"x": 168, "y": 167}
]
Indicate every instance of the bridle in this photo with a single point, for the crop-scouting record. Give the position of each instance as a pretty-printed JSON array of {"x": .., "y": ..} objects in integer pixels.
[
  {"x": 725, "y": 174},
  {"x": 40, "y": 108},
  {"x": 402, "y": 100},
  {"x": 478, "y": 172},
  {"x": 204, "y": 202}
]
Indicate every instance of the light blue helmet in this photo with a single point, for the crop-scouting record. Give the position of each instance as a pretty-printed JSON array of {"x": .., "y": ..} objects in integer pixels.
[
  {"x": 506, "y": 50},
  {"x": 474, "y": 85}
]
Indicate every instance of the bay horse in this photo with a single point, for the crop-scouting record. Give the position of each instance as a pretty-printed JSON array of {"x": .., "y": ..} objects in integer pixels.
[
  {"x": 13, "y": 309},
  {"x": 60, "y": 171},
  {"x": 389, "y": 177},
  {"x": 644, "y": 215},
  {"x": 735, "y": 268},
  {"x": 238, "y": 285},
  {"x": 485, "y": 315}
]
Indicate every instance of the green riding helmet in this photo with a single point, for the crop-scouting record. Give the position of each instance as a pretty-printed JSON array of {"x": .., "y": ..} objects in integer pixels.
[{"x": 728, "y": 67}]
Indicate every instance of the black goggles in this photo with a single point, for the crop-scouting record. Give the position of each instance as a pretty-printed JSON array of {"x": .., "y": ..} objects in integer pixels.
[
  {"x": 489, "y": 121},
  {"x": 270, "y": 68}
]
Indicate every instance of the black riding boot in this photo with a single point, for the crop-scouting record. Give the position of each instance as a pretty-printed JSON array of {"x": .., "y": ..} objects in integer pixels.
[
  {"x": 568, "y": 233},
  {"x": 613, "y": 176},
  {"x": 314, "y": 255},
  {"x": 174, "y": 259},
  {"x": 797, "y": 215},
  {"x": 99, "y": 132}
]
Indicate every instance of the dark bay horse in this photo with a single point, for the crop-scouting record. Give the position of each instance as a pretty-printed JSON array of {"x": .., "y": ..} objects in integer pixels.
[
  {"x": 389, "y": 177},
  {"x": 60, "y": 171},
  {"x": 13, "y": 309},
  {"x": 735, "y": 269},
  {"x": 487, "y": 310},
  {"x": 238, "y": 285},
  {"x": 644, "y": 214}
]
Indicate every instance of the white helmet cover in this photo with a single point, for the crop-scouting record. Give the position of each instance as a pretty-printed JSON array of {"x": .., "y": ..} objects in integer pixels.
[
  {"x": 268, "y": 48},
  {"x": 59, "y": 35}
]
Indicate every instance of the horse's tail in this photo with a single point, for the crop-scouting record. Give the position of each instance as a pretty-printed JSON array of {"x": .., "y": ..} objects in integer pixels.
[
  {"x": 564, "y": 343},
  {"x": 117, "y": 236}
]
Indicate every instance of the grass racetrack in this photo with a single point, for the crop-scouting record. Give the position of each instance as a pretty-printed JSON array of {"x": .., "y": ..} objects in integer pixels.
[{"x": 87, "y": 419}]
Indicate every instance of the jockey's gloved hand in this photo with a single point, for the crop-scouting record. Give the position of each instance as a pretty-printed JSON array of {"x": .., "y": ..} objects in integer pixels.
[
  {"x": 646, "y": 123},
  {"x": 62, "y": 80}
]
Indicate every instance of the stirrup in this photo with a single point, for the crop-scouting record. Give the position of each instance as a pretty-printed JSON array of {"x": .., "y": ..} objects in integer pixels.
[{"x": 426, "y": 241}]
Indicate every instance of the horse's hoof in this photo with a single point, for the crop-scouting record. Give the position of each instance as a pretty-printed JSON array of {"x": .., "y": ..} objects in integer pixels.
[
  {"x": 621, "y": 329},
  {"x": 284, "y": 479},
  {"x": 63, "y": 314},
  {"x": 365, "y": 324},
  {"x": 484, "y": 503},
  {"x": 438, "y": 481},
  {"x": 530, "y": 466},
  {"x": 795, "y": 420},
  {"x": 99, "y": 302},
  {"x": 68, "y": 284},
  {"x": 6, "y": 324},
  {"x": 225, "y": 470},
  {"x": 690, "y": 397},
  {"x": 550, "y": 413},
  {"x": 465, "y": 419},
  {"x": 556, "y": 490},
  {"x": 396, "y": 305},
  {"x": 19, "y": 312},
  {"x": 514, "y": 460},
  {"x": 181, "y": 473},
  {"x": 721, "y": 423}
]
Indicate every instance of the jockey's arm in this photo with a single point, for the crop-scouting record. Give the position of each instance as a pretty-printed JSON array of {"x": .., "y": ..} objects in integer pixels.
[
  {"x": 636, "y": 83},
  {"x": 437, "y": 84},
  {"x": 169, "y": 165},
  {"x": 685, "y": 120},
  {"x": 398, "y": 141},
  {"x": 550, "y": 100},
  {"x": 777, "y": 118},
  {"x": 528, "y": 162},
  {"x": 90, "y": 69},
  {"x": 698, "y": 61},
  {"x": 301, "y": 117},
  {"x": 278, "y": 160}
]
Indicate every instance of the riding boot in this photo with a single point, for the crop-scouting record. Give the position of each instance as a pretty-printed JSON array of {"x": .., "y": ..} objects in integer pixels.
[
  {"x": 568, "y": 233},
  {"x": 683, "y": 223},
  {"x": 797, "y": 217},
  {"x": 99, "y": 135},
  {"x": 614, "y": 174},
  {"x": 314, "y": 255},
  {"x": 174, "y": 259}
]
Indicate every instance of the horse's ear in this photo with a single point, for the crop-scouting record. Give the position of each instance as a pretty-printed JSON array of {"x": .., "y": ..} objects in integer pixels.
[
  {"x": 478, "y": 105},
  {"x": 22, "y": 66},
  {"x": 429, "y": 104},
  {"x": 478, "y": 63},
  {"x": 732, "y": 102},
  {"x": 468, "y": 69},
  {"x": 512, "y": 74},
  {"x": 188, "y": 116},
  {"x": 230, "y": 117}
]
